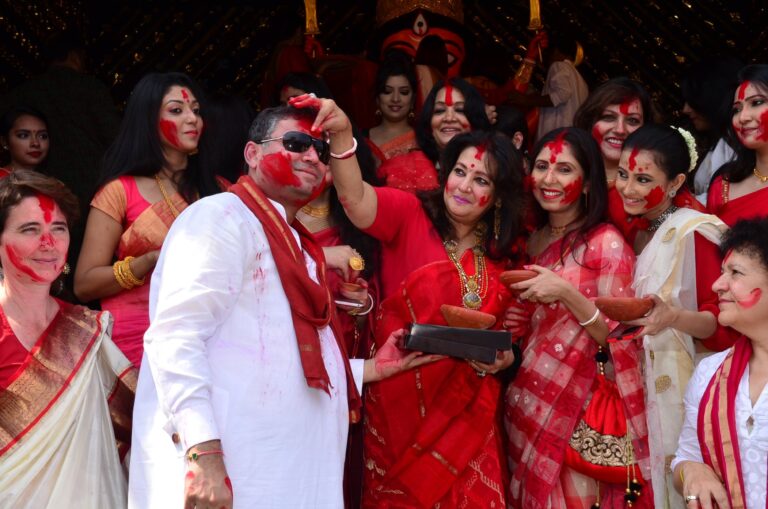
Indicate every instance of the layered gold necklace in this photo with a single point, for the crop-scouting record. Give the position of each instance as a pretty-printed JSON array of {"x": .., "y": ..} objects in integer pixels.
[
  {"x": 474, "y": 287},
  {"x": 318, "y": 212},
  {"x": 167, "y": 198}
]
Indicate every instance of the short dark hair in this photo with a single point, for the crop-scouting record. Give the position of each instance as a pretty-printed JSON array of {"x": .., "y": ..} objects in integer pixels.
[
  {"x": 21, "y": 184},
  {"x": 474, "y": 109},
  {"x": 12, "y": 114},
  {"x": 614, "y": 91},
  {"x": 669, "y": 149},
  {"x": 594, "y": 204},
  {"x": 511, "y": 120},
  {"x": 749, "y": 237},
  {"x": 708, "y": 88},
  {"x": 508, "y": 187},
  {"x": 265, "y": 122},
  {"x": 137, "y": 149}
]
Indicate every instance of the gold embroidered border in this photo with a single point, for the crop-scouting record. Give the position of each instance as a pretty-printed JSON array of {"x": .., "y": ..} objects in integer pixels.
[{"x": 599, "y": 449}]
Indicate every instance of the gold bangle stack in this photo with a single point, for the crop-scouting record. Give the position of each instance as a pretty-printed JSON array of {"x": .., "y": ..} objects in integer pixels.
[{"x": 124, "y": 275}]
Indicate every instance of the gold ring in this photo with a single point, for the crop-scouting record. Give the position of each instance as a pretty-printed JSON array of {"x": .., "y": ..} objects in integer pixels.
[{"x": 356, "y": 263}]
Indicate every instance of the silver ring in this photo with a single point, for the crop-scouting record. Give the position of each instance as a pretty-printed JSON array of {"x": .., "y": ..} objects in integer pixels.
[
  {"x": 482, "y": 374},
  {"x": 691, "y": 498}
]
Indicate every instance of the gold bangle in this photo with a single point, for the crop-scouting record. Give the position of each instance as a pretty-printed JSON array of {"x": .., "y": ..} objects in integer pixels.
[
  {"x": 682, "y": 479},
  {"x": 118, "y": 273},
  {"x": 128, "y": 273}
]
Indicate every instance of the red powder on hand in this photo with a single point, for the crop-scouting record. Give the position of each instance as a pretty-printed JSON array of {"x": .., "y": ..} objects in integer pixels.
[{"x": 229, "y": 484}]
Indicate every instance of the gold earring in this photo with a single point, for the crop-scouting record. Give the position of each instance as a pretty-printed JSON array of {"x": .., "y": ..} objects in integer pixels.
[
  {"x": 66, "y": 270},
  {"x": 497, "y": 220}
]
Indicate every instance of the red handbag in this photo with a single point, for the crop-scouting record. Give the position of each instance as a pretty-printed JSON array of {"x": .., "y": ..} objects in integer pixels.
[{"x": 600, "y": 446}]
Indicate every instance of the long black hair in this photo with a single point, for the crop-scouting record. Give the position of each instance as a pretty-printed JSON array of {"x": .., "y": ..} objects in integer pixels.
[
  {"x": 12, "y": 114},
  {"x": 137, "y": 150},
  {"x": 595, "y": 202},
  {"x": 744, "y": 163},
  {"x": 508, "y": 188},
  {"x": 227, "y": 120},
  {"x": 474, "y": 110}
]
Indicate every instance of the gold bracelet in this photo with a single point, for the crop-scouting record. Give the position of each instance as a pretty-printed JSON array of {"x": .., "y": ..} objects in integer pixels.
[
  {"x": 128, "y": 273},
  {"x": 116, "y": 270},
  {"x": 682, "y": 479}
]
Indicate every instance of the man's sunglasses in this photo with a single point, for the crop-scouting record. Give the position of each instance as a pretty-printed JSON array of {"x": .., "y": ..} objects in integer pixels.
[{"x": 297, "y": 142}]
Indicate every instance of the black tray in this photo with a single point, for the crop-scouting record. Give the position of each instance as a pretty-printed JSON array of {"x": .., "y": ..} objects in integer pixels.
[{"x": 471, "y": 344}]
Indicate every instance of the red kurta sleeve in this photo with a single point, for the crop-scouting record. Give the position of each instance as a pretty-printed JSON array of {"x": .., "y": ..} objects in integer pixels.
[{"x": 707, "y": 271}]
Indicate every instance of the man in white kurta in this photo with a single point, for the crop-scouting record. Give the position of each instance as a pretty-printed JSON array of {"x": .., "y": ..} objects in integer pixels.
[{"x": 221, "y": 360}]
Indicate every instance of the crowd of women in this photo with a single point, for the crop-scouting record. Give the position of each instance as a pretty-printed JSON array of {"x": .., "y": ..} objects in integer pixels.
[{"x": 663, "y": 408}]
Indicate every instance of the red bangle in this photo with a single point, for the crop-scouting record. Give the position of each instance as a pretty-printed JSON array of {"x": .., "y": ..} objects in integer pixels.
[{"x": 192, "y": 456}]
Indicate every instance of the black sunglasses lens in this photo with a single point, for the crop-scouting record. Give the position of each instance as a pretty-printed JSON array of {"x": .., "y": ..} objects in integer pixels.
[
  {"x": 297, "y": 142},
  {"x": 300, "y": 142}
]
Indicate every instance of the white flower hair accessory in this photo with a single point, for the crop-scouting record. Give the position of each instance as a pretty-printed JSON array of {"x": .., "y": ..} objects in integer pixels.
[{"x": 691, "y": 142}]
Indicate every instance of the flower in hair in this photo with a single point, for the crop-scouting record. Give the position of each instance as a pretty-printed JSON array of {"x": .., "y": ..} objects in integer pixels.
[{"x": 691, "y": 143}]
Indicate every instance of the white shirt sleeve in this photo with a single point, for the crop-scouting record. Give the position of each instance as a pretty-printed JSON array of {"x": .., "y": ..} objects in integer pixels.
[
  {"x": 560, "y": 83},
  {"x": 195, "y": 284},
  {"x": 688, "y": 448}
]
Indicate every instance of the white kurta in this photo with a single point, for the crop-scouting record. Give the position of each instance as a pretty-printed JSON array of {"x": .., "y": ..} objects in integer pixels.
[
  {"x": 221, "y": 362},
  {"x": 753, "y": 443}
]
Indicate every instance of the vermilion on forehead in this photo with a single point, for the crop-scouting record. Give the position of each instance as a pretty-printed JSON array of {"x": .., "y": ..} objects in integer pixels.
[{"x": 630, "y": 107}]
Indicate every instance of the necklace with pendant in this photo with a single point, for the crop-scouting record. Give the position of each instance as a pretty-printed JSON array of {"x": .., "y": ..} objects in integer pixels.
[{"x": 474, "y": 287}]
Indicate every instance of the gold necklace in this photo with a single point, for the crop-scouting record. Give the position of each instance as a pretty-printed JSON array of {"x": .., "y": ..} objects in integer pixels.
[
  {"x": 473, "y": 288},
  {"x": 168, "y": 201},
  {"x": 763, "y": 178},
  {"x": 556, "y": 231},
  {"x": 319, "y": 212}
]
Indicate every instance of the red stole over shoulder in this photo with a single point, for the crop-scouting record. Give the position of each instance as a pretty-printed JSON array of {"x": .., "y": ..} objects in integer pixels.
[
  {"x": 718, "y": 437},
  {"x": 310, "y": 302}
]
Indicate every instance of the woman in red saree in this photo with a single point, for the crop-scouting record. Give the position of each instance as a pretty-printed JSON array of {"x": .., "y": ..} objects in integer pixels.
[
  {"x": 66, "y": 391},
  {"x": 396, "y": 99},
  {"x": 613, "y": 111},
  {"x": 433, "y": 437},
  {"x": 741, "y": 189},
  {"x": 723, "y": 447},
  {"x": 149, "y": 178},
  {"x": 452, "y": 107},
  {"x": 579, "y": 258}
]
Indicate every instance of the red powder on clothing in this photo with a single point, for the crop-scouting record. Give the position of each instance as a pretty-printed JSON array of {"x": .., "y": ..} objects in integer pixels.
[
  {"x": 633, "y": 159},
  {"x": 556, "y": 146},
  {"x": 754, "y": 298},
  {"x": 46, "y": 205},
  {"x": 743, "y": 90},
  {"x": 596, "y": 134},
  {"x": 169, "y": 131},
  {"x": 480, "y": 151},
  {"x": 654, "y": 198},
  {"x": 278, "y": 167},
  {"x": 572, "y": 191},
  {"x": 16, "y": 261}
]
